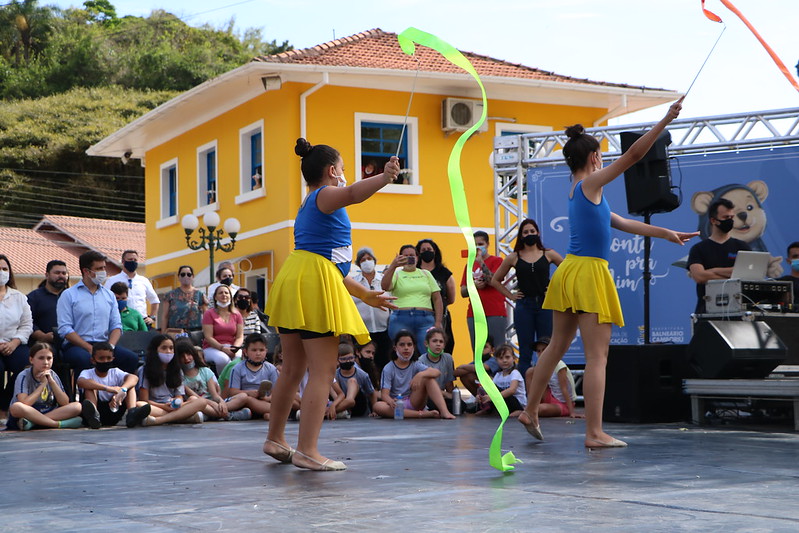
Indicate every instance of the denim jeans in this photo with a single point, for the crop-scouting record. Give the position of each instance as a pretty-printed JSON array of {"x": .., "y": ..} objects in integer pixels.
[
  {"x": 532, "y": 324},
  {"x": 414, "y": 320}
]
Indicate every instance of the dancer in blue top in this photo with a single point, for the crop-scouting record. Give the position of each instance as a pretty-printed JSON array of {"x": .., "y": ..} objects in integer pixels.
[
  {"x": 310, "y": 300},
  {"x": 582, "y": 293}
]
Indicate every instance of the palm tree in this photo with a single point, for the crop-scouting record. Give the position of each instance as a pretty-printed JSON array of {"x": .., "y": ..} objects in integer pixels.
[{"x": 25, "y": 29}]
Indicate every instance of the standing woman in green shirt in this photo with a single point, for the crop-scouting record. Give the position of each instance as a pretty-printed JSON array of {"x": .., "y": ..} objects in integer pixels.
[{"x": 415, "y": 289}]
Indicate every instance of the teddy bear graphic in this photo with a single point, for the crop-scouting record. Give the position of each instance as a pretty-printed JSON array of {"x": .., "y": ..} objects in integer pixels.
[{"x": 748, "y": 214}]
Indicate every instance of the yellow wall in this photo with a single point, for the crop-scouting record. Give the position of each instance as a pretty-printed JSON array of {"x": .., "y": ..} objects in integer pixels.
[{"x": 330, "y": 113}]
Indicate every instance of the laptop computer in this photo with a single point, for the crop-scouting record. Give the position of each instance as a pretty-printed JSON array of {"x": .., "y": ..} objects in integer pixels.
[{"x": 750, "y": 266}]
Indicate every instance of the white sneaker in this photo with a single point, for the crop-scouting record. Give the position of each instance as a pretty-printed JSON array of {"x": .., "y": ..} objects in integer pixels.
[
  {"x": 196, "y": 418},
  {"x": 149, "y": 421},
  {"x": 297, "y": 415},
  {"x": 344, "y": 414}
]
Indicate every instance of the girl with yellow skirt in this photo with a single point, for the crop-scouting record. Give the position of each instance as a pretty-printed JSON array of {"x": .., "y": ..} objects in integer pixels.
[
  {"x": 310, "y": 300},
  {"x": 582, "y": 293}
]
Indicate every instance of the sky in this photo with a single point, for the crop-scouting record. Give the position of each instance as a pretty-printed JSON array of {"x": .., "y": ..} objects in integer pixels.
[{"x": 657, "y": 44}]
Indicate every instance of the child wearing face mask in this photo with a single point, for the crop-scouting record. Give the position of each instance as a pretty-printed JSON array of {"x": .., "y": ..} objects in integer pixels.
[
  {"x": 161, "y": 386},
  {"x": 132, "y": 320},
  {"x": 110, "y": 393},
  {"x": 254, "y": 376},
  {"x": 199, "y": 381},
  {"x": 436, "y": 357},
  {"x": 358, "y": 394},
  {"x": 410, "y": 382}
]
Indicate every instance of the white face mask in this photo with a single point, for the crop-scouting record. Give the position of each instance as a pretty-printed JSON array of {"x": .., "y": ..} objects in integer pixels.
[
  {"x": 99, "y": 277},
  {"x": 4, "y": 275},
  {"x": 342, "y": 181},
  {"x": 368, "y": 266},
  {"x": 165, "y": 357}
]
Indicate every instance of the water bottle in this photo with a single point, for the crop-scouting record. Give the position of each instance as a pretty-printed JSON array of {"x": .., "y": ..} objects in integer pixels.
[
  {"x": 119, "y": 397},
  {"x": 399, "y": 408},
  {"x": 176, "y": 403},
  {"x": 456, "y": 401}
]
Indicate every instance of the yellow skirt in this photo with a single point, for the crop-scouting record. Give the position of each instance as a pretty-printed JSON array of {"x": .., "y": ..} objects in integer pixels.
[
  {"x": 585, "y": 284},
  {"x": 309, "y": 294}
]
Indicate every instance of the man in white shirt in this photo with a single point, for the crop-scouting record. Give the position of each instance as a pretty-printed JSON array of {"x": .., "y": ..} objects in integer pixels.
[{"x": 140, "y": 290}]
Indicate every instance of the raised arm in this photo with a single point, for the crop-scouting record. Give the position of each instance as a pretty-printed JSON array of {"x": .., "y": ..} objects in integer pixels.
[
  {"x": 603, "y": 176},
  {"x": 331, "y": 198}
]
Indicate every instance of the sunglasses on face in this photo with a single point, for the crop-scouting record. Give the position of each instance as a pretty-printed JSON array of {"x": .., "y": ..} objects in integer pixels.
[{"x": 185, "y": 274}]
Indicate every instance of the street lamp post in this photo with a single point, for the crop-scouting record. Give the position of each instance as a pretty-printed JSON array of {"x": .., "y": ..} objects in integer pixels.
[{"x": 209, "y": 237}]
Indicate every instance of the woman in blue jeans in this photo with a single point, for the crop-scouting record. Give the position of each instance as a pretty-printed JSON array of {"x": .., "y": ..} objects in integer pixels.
[
  {"x": 415, "y": 289},
  {"x": 531, "y": 260}
]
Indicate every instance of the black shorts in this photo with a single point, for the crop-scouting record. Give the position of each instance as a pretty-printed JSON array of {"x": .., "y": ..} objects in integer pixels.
[{"x": 304, "y": 333}]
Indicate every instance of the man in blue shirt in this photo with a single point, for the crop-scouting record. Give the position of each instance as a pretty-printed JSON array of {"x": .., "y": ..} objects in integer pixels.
[
  {"x": 44, "y": 300},
  {"x": 88, "y": 314}
]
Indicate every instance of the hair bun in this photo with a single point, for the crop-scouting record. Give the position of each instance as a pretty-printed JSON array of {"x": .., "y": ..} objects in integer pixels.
[
  {"x": 572, "y": 132},
  {"x": 303, "y": 147}
]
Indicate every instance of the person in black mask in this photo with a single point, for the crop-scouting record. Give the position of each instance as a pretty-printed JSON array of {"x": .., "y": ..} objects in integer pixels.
[
  {"x": 254, "y": 319},
  {"x": 714, "y": 257},
  {"x": 43, "y": 301},
  {"x": 224, "y": 276},
  {"x": 140, "y": 289},
  {"x": 531, "y": 261},
  {"x": 430, "y": 259}
]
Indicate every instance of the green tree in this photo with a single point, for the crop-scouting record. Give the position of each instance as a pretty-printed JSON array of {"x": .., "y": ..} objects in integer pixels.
[
  {"x": 43, "y": 164},
  {"x": 101, "y": 11},
  {"x": 25, "y": 30}
]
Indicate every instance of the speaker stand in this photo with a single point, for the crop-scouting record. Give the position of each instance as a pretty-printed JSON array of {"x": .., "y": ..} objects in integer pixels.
[{"x": 647, "y": 277}]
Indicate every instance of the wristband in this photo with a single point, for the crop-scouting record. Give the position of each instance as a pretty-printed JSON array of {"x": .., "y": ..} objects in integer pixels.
[{"x": 123, "y": 389}]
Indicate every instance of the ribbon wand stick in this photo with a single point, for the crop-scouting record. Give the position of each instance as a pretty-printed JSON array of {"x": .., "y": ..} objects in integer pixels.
[{"x": 723, "y": 29}]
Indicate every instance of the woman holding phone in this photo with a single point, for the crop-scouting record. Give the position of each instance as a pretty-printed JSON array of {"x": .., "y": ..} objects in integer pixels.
[{"x": 416, "y": 290}]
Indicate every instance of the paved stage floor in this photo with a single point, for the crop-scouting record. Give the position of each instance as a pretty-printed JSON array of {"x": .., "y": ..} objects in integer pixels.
[{"x": 411, "y": 475}]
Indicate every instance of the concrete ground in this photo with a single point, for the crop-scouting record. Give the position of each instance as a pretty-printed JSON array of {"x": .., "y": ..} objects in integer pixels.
[{"x": 411, "y": 475}]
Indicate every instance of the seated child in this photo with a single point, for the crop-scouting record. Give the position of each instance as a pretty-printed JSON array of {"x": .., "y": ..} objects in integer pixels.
[
  {"x": 131, "y": 319},
  {"x": 366, "y": 361},
  {"x": 467, "y": 372},
  {"x": 110, "y": 392},
  {"x": 39, "y": 398},
  {"x": 410, "y": 382},
  {"x": 559, "y": 396},
  {"x": 510, "y": 383},
  {"x": 357, "y": 393},
  {"x": 434, "y": 357},
  {"x": 200, "y": 381},
  {"x": 254, "y": 376},
  {"x": 161, "y": 385}
]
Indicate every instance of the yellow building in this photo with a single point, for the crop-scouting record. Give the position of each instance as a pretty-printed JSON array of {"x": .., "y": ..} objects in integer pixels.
[{"x": 226, "y": 146}]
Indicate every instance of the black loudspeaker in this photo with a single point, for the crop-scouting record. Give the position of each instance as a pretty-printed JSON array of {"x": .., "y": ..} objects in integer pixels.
[
  {"x": 644, "y": 383},
  {"x": 648, "y": 182},
  {"x": 723, "y": 349}
]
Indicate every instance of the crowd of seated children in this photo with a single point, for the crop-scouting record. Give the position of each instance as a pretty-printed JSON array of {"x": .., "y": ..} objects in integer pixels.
[
  {"x": 510, "y": 383},
  {"x": 201, "y": 382},
  {"x": 358, "y": 395},
  {"x": 407, "y": 380},
  {"x": 39, "y": 399},
  {"x": 254, "y": 376},
  {"x": 161, "y": 386},
  {"x": 109, "y": 392}
]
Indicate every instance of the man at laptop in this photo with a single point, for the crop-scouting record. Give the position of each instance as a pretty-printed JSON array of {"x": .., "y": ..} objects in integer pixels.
[{"x": 714, "y": 257}]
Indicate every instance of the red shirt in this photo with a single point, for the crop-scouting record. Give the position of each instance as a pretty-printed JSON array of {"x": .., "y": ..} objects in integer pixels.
[{"x": 493, "y": 301}]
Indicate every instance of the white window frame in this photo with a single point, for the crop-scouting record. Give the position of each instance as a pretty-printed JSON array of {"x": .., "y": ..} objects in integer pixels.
[
  {"x": 245, "y": 133},
  {"x": 412, "y": 133},
  {"x": 202, "y": 178},
  {"x": 165, "y": 221}
]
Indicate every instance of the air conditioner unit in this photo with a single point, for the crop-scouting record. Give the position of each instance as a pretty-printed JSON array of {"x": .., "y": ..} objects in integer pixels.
[{"x": 459, "y": 114}]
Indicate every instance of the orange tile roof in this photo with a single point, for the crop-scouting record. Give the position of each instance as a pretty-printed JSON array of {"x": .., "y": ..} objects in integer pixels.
[
  {"x": 380, "y": 50},
  {"x": 30, "y": 251},
  {"x": 109, "y": 237}
]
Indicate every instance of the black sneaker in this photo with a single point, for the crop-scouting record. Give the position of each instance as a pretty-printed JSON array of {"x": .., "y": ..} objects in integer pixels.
[
  {"x": 90, "y": 415},
  {"x": 137, "y": 415}
]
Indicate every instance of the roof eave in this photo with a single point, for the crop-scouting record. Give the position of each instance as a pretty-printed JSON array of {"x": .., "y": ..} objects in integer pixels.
[{"x": 215, "y": 99}]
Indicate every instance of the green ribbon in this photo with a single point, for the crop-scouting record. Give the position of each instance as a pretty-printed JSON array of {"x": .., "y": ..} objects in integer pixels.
[{"x": 406, "y": 40}]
